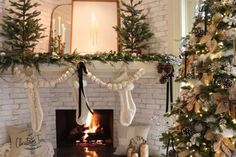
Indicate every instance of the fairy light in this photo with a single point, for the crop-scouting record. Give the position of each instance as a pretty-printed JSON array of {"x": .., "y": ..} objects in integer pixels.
[
  {"x": 186, "y": 116},
  {"x": 200, "y": 115},
  {"x": 191, "y": 85},
  {"x": 205, "y": 109},
  {"x": 234, "y": 121}
]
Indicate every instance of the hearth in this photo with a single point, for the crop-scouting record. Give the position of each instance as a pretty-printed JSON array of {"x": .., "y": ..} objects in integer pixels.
[{"x": 98, "y": 130}]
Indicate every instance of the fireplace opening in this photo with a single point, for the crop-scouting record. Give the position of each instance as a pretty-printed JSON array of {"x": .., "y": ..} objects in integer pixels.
[{"x": 98, "y": 130}]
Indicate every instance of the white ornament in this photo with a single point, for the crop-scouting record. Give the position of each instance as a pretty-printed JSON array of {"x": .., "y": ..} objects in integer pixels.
[
  {"x": 231, "y": 19},
  {"x": 231, "y": 33},
  {"x": 2, "y": 54}
]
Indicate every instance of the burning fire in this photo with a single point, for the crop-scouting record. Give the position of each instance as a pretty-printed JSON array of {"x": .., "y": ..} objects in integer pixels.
[
  {"x": 92, "y": 123},
  {"x": 90, "y": 153}
]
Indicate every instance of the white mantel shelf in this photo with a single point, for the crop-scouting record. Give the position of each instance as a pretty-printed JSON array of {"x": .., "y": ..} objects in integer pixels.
[
  {"x": 106, "y": 70},
  {"x": 109, "y": 69}
]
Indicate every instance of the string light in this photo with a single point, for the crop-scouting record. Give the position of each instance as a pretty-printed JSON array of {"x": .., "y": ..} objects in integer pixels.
[{"x": 234, "y": 121}]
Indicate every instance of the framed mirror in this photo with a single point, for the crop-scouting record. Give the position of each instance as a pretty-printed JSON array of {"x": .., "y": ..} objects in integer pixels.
[
  {"x": 61, "y": 20},
  {"x": 85, "y": 26}
]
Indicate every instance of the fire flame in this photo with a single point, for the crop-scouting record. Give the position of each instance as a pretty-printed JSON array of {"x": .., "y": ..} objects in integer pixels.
[
  {"x": 90, "y": 153},
  {"x": 92, "y": 124}
]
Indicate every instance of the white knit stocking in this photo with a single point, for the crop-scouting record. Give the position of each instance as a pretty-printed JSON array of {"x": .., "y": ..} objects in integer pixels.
[
  {"x": 35, "y": 106},
  {"x": 127, "y": 105}
]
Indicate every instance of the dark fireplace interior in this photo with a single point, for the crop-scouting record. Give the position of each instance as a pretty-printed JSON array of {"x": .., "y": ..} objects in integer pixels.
[{"x": 98, "y": 130}]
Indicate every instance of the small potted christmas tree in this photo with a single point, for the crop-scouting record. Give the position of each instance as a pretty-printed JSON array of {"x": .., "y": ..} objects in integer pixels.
[
  {"x": 135, "y": 32},
  {"x": 21, "y": 27}
]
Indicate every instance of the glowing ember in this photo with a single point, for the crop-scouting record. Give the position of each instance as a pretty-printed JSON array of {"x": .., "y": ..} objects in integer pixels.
[{"x": 90, "y": 153}]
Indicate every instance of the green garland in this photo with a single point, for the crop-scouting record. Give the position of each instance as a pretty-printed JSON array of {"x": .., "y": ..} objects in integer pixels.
[{"x": 10, "y": 60}]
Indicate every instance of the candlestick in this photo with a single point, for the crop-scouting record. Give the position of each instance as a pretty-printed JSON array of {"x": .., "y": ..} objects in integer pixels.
[
  {"x": 53, "y": 28},
  {"x": 63, "y": 33},
  {"x": 59, "y": 25},
  {"x": 93, "y": 31}
]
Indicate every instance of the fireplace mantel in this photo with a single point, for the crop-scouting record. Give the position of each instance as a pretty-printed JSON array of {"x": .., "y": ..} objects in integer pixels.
[{"x": 105, "y": 69}]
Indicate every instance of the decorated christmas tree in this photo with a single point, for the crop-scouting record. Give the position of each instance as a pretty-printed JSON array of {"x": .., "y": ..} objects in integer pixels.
[
  {"x": 135, "y": 31},
  {"x": 21, "y": 27},
  {"x": 205, "y": 113}
]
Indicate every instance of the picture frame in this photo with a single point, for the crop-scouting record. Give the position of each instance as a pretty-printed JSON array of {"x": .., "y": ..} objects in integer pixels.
[{"x": 92, "y": 26}]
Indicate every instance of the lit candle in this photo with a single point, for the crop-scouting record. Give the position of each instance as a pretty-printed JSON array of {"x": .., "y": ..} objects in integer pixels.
[
  {"x": 53, "y": 28},
  {"x": 135, "y": 155},
  {"x": 59, "y": 25},
  {"x": 93, "y": 20},
  {"x": 93, "y": 31},
  {"x": 63, "y": 33}
]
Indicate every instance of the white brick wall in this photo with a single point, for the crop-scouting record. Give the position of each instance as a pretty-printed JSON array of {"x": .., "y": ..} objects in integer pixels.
[{"x": 148, "y": 94}]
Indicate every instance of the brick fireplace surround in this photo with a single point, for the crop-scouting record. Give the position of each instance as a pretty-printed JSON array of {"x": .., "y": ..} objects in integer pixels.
[{"x": 148, "y": 94}]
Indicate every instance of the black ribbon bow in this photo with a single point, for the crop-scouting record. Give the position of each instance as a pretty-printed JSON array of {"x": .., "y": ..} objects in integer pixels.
[
  {"x": 169, "y": 91},
  {"x": 81, "y": 68}
]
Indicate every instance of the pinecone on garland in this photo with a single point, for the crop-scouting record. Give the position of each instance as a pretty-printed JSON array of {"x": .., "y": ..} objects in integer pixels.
[
  {"x": 187, "y": 131},
  {"x": 198, "y": 32},
  {"x": 227, "y": 83},
  {"x": 160, "y": 68}
]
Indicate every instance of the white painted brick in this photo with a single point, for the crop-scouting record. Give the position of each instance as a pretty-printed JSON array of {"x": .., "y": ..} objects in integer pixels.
[{"x": 148, "y": 94}]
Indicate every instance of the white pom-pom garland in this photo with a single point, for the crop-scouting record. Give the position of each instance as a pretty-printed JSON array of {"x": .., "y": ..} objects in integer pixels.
[{"x": 116, "y": 86}]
